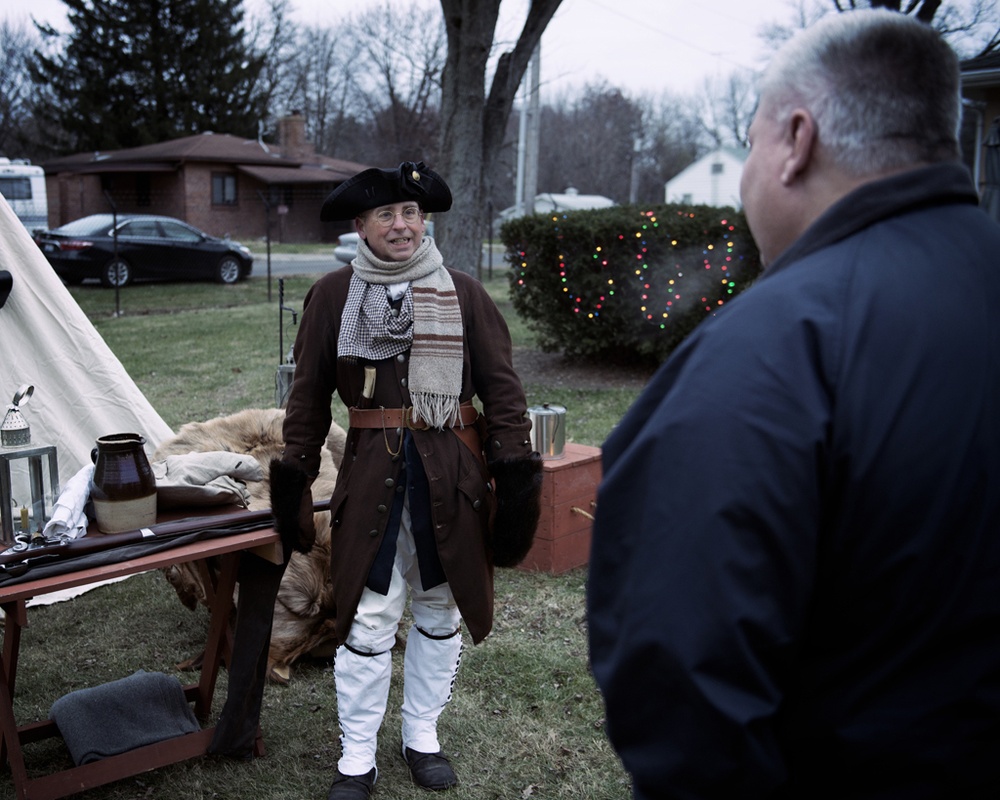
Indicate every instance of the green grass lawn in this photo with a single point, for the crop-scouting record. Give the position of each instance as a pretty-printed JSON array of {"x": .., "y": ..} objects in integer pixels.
[{"x": 526, "y": 720}]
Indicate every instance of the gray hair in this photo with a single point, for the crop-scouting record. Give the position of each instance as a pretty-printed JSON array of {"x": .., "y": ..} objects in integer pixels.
[{"x": 882, "y": 87}]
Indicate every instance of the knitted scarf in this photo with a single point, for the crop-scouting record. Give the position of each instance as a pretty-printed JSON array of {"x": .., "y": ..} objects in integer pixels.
[{"x": 428, "y": 323}]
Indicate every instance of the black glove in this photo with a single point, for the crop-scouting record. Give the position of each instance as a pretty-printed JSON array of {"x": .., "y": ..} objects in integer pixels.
[
  {"x": 292, "y": 506},
  {"x": 519, "y": 490}
]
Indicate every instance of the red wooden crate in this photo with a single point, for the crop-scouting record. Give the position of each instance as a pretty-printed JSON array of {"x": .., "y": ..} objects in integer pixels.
[{"x": 569, "y": 497}]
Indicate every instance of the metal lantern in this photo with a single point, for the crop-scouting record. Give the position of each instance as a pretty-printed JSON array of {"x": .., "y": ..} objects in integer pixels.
[
  {"x": 14, "y": 430},
  {"x": 29, "y": 475}
]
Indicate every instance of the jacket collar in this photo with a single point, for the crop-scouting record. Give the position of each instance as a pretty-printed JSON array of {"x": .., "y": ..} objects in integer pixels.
[{"x": 937, "y": 184}]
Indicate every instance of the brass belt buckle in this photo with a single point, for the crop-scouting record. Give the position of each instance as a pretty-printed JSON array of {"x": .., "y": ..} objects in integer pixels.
[{"x": 408, "y": 421}]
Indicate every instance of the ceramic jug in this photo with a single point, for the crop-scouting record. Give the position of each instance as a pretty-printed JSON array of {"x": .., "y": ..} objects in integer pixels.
[{"x": 123, "y": 488}]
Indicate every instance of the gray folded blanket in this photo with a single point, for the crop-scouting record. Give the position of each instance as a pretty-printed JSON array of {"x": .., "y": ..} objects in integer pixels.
[{"x": 105, "y": 720}]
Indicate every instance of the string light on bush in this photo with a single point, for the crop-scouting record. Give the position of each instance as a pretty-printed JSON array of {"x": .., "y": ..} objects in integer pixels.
[{"x": 661, "y": 286}]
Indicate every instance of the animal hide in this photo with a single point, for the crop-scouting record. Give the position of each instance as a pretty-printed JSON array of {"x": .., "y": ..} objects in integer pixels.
[{"x": 302, "y": 621}]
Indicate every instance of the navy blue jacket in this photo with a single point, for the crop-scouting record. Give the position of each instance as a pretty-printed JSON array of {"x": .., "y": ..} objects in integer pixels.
[{"x": 794, "y": 585}]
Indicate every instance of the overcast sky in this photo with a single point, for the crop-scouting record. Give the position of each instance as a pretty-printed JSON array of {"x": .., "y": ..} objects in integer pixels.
[{"x": 642, "y": 46}]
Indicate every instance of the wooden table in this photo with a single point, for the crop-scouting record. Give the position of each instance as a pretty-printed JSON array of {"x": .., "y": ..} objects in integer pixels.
[{"x": 143, "y": 759}]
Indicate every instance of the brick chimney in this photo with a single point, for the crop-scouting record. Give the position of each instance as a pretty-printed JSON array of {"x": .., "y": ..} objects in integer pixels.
[{"x": 292, "y": 136}]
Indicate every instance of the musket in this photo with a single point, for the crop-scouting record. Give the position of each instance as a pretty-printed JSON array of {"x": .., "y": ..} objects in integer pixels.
[{"x": 20, "y": 557}]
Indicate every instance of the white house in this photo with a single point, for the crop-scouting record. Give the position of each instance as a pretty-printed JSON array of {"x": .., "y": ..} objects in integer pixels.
[{"x": 713, "y": 180}]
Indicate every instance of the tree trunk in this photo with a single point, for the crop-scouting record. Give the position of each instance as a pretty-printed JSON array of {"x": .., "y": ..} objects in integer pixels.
[{"x": 472, "y": 125}]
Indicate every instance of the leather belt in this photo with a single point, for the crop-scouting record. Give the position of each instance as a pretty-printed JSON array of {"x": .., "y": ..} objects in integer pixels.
[{"x": 387, "y": 418}]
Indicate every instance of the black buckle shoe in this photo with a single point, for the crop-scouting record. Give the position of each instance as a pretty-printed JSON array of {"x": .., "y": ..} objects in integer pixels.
[
  {"x": 352, "y": 787},
  {"x": 430, "y": 770}
]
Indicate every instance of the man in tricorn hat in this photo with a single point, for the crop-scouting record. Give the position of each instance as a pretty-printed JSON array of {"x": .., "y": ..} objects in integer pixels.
[{"x": 431, "y": 494}]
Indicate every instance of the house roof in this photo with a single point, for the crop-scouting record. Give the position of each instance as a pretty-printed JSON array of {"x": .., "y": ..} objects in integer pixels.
[
  {"x": 982, "y": 70},
  {"x": 266, "y": 162},
  {"x": 738, "y": 154},
  {"x": 305, "y": 174}
]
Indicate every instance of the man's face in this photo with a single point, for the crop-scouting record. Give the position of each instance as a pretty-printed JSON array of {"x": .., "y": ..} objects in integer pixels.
[
  {"x": 393, "y": 232},
  {"x": 762, "y": 189}
]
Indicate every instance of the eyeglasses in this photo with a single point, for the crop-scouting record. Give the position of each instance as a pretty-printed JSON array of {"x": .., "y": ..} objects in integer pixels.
[{"x": 385, "y": 217}]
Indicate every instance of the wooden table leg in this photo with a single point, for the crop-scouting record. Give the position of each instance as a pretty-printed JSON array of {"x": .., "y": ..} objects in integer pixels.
[
  {"x": 218, "y": 634},
  {"x": 15, "y": 618}
]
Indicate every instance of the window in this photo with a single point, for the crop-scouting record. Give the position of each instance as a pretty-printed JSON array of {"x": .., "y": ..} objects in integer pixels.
[
  {"x": 279, "y": 195},
  {"x": 142, "y": 189},
  {"x": 139, "y": 229},
  {"x": 717, "y": 168},
  {"x": 177, "y": 232},
  {"x": 16, "y": 188},
  {"x": 223, "y": 189}
]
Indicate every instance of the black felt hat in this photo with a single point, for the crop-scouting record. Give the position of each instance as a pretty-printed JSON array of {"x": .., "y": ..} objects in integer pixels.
[{"x": 381, "y": 187}]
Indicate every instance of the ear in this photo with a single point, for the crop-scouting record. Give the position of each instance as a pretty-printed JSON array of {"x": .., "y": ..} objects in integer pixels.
[
  {"x": 801, "y": 139},
  {"x": 359, "y": 227}
]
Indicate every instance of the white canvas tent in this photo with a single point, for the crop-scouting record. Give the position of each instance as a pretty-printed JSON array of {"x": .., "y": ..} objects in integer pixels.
[{"x": 82, "y": 391}]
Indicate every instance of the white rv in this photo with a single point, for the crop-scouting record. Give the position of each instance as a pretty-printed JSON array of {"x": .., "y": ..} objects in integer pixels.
[{"x": 23, "y": 186}]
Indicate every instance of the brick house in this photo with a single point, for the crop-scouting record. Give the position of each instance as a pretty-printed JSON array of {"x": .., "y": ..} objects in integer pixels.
[{"x": 220, "y": 183}]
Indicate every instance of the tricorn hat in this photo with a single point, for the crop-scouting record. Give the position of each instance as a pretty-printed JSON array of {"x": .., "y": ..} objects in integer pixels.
[{"x": 381, "y": 187}]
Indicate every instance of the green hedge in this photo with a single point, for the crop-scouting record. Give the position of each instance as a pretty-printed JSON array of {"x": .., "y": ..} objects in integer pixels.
[{"x": 626, "y": 283}]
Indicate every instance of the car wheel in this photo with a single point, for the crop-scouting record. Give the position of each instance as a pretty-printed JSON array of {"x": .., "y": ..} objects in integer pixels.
[
  {"x": 117, "y": 272},
  {"x": 229, "y": 270}
]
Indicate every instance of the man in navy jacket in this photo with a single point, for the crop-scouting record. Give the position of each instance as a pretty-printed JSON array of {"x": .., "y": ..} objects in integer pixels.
[{"x": 795, "y": 577}]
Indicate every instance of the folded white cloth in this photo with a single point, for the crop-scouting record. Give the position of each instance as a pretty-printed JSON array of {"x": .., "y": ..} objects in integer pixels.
[
  {"x": 203, "y": 479},
  {"x": 68, "y": 518}
]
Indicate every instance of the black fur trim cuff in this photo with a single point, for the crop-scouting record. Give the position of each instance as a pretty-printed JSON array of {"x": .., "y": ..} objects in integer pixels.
[{"x": 519, "y": 491}]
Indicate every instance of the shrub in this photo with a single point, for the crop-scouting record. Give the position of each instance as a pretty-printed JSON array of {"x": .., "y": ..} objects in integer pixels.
[{"x": 626, "y": 283}]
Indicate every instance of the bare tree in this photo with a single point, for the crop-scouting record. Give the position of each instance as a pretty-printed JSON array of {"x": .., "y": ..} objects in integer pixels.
[
  {"x": 972, "y": 27},
  {"x": 672, "y": 138},
  {"x": 473, "y": 126},
  {"x": 275, "y": 36},
  {"x": 400, "y": 77},
  {"x": 588, "y": 142},
  {"x": 725, "y": 108},
  {"x": 17, "y": 44}
]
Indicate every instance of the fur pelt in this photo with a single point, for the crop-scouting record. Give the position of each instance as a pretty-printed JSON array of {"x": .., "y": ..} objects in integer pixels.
[{"x": 302, "y": 622}]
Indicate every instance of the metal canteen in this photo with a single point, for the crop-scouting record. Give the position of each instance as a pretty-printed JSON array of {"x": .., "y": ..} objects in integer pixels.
[{"x": 548, "y": 429}]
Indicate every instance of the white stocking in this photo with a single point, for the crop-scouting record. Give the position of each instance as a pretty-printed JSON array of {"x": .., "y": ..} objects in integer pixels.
[
  {"x": 429, "y": 670},
  {"x": 362, "y": 693}
]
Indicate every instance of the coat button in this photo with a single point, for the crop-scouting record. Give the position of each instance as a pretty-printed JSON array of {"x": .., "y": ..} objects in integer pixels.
[
  {"x": 476, "y": 504},
  {"x": 381, "y": 509},
  {"x": 402, "y": 381},
  {"x": 390, "y": 482},
  {"x": 401, "y": 358},
  {"x": 373, "y": 533},
  {"x": 496, "y": 445}
]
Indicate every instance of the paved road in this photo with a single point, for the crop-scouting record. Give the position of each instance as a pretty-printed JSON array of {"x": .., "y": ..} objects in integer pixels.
[
  {"x": 283, "y": 265},
  {"x": 315, "y": 264}
]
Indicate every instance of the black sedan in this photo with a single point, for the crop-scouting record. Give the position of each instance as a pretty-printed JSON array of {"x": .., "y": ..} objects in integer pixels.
[{"x": 148, "y": 248}]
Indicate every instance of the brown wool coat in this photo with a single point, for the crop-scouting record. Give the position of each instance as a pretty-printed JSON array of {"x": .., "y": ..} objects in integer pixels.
[{"x": 461, "y": 499}]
